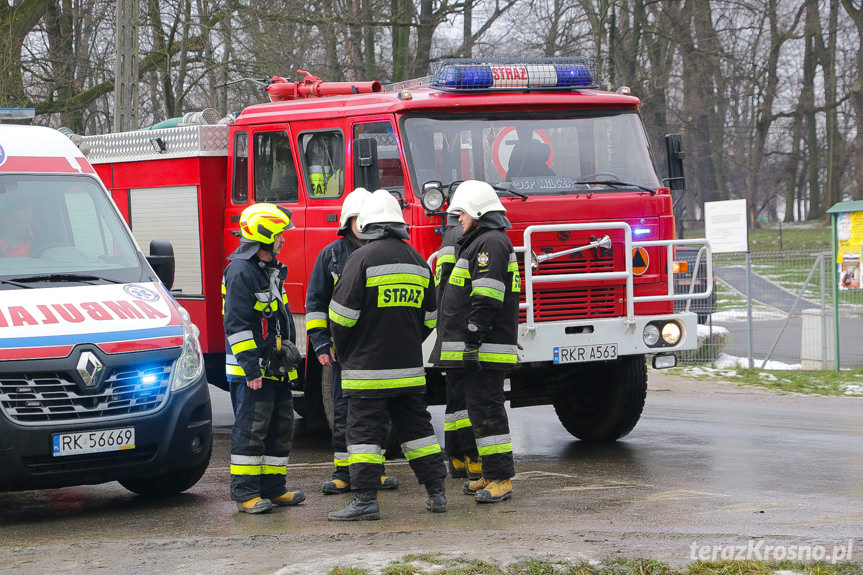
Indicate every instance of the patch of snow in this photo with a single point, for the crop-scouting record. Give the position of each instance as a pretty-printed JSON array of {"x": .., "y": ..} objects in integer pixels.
[
  {"x": 725, "y": 361},
  {"x": 705, "y": 330},
  {"x": 853, "y": 389},
  {"x": 759, "y": 313}
]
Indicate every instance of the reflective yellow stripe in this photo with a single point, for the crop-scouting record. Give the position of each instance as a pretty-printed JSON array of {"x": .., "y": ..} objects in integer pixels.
[
  {"x": 489, "y": 357},
  {"x": 245, "y": 469},
  {"x": 413, "y": 279},
  {"x": 431, "y": 324},
  {"x": 234, "y": 370},
  {"x": 274, "y": 470},
  {"x": 456, "y": 425},
  {"x": 243, "y": 346},
  {"x": 365, "y": 458},
  {"x": 488, "y": 292},
  {"x": 422, "y": 451},
  {"x": 383, "y": 383},
  {"x": 342, "y": 320},
  {"x": 458, "y": 276},
  {"x": 492, "y": 449},
  {"x": 342, "y": 462},
  {"x": 512, "y": 267},
  {"x": 316, "y": 323},
  {"x": 293, "y": 375}
]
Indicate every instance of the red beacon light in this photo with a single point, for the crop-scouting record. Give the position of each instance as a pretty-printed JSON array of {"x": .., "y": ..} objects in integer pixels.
[{"x": 281, "y": 90}]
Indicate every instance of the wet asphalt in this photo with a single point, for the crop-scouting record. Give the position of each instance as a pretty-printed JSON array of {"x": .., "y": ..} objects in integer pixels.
[{"x": 709, "y": 464}]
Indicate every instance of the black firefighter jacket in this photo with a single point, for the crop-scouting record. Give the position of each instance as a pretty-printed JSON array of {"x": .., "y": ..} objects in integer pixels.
[
  {"x": 446, "y": 258},
  {"x": 328, "y": 269},
  {"x": 483, "y": 289},
  {"x": 252, "y": 317},
  {"x": 382, "y": 309}
]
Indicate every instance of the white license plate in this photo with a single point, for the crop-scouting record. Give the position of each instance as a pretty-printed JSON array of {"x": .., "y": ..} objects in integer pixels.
[
  {"x": 94, "y": 441},
  {"x": 580, "y": 353}
]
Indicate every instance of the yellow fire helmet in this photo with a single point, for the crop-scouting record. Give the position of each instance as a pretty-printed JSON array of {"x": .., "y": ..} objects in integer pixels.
[{"x": 261, "y": 222}]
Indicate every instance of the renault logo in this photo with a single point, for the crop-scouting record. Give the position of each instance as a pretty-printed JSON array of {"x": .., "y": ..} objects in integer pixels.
[{"x": 90, "y": 369}]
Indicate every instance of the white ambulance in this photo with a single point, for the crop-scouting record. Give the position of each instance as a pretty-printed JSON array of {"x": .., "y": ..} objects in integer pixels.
[{"x": 101, "y": 371}]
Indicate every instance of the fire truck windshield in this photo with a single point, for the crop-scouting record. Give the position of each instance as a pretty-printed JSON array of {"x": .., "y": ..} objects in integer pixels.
[
  {"x": 575, "y": 152},
  {"x": 62, "y": 227}
]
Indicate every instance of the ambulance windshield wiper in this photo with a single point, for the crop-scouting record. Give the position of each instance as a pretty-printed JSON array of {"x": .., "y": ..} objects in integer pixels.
[
  {"x": 616, "y": 183},
  {"x": 63, "y": 278},
  {"x": 16, "y": 284}
]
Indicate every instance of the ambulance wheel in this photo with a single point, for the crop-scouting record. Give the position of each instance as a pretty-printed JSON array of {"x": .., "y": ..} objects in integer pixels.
[
  {"x": 604, "y": 400},
  {"x": 171, "y": 483}
]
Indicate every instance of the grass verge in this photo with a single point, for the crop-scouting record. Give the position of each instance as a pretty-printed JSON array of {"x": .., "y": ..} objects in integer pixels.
[
  {"x": 845, "y": 383},
  {"x": 441, "y": 564}
]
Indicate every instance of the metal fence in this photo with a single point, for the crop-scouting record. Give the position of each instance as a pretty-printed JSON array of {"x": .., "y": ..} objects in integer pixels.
[{"x": 791, "y": 322}]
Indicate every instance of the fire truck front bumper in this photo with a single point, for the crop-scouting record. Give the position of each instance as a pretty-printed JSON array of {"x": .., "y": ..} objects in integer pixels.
[{"x": 577, "y": 341}]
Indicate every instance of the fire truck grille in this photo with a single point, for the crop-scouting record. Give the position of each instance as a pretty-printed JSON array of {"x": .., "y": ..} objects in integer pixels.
[
  {"x": 573, "y": 300},
  {"x": 44, "y": 398}
]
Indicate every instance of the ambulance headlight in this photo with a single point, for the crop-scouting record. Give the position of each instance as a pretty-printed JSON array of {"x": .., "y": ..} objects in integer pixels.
[
  {"x": 190, "y": 366},
  {"x": 650, "y": 334}
]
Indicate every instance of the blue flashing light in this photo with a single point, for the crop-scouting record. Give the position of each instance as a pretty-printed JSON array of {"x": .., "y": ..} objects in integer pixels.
[
  {"x": 465, "y": 77},
  {"x": 149, "y": 380},
  {"x": 641, "y": 231},
  {"x": 573, "y": 75}
]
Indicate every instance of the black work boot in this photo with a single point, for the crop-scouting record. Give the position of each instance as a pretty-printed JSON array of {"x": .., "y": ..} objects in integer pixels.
[
  {"x": 437, "y": 496},
  {"x": 364, "y": 507}
]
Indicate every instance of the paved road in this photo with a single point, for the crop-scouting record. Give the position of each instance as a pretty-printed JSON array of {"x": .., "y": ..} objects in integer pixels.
[
  {"x": 709, "y": 464},
  {"x": 763, "y": 290},
  {"x": 788, "y": 348}
]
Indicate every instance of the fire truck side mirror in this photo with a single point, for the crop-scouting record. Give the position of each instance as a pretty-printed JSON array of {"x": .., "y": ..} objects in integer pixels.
[
  {"x": 366, "y": 163},
  {"x": 675, "y": 155},
  {"x": 161, "y": 259}
]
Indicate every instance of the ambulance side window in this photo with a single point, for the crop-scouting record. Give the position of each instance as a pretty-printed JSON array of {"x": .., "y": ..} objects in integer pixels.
[
  {"x": 275, "y": 174},
  {"x": 240, "y": 188},
  {"x": 323, "y": 156},
  {"x": 390, "y": 169}
]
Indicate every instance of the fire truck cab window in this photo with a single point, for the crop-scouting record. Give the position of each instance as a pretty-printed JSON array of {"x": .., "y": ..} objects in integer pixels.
[
  {"x": 240, "y": 187},
  {"x": 537, "y": 154},
  {"x": 275, "y": 171},
  {"x": 390, "y": 172},
  {"x": 324, "y": 163}
]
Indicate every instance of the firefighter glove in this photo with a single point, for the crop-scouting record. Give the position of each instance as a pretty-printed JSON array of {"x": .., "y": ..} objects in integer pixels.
[
  {"x": 471, "y": 359},
  {"x": 473, "y": 335}
]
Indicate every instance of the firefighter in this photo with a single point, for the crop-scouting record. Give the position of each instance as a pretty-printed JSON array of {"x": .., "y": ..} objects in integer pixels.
[
  {"x": 458, "y": 433},
  {"x": 328, "y": 268},
  {"x": 260, "y": 357},
  {"x": 382, "y": 309},
  {"x": 478, "y": 330}
]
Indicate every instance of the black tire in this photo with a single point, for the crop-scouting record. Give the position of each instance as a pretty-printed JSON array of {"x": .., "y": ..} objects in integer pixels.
[
  {"x": 605, "y": 401},
  {"x": 171, "y": 483}
]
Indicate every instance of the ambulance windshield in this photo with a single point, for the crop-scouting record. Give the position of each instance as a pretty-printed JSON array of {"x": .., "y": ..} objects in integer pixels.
[
  {"x": 65, "y": 226},
  {"x": 575, "y": 152}
]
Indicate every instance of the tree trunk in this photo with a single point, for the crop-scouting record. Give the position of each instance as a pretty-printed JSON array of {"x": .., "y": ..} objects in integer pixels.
[{"x": 15, "y": 22}]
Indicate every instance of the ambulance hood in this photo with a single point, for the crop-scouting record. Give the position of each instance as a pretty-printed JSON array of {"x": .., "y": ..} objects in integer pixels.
[{"x": 49, "y": 323}]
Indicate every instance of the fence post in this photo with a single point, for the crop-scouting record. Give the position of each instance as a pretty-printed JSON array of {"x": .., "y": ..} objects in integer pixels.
[{"x": 751, "y": 363}]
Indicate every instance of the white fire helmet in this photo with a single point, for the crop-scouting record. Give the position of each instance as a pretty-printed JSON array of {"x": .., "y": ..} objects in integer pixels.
[
  {"x": 476, "y": 199},
  {"x": 380, "y": 208},
  {"x": 351, "y": 207}
]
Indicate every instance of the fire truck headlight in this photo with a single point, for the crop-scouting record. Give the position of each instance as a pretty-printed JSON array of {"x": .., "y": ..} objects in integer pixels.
[
  {"x": 432, "y": 199},
  {"x": 190, "y": 365},
  {"x": 671, "y": 333},
  {"x": 650, "y": 334}
]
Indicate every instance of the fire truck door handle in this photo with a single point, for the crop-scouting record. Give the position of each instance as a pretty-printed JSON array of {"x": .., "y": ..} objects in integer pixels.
[
  {"x": 236, "y": 233},
  {"x": 332, "y": 217}
]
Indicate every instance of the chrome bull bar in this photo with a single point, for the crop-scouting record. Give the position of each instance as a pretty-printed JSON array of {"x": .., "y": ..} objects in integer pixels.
[{"x": 627, "y": 275}]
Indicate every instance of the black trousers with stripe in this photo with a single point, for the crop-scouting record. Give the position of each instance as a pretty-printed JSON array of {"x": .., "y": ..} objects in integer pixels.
[
  {"x": 263, "y": 430},
  {"x": 484, "y": 398},
  {"x": 458, "y": 433},
  {"x": 367, "y": 430}
]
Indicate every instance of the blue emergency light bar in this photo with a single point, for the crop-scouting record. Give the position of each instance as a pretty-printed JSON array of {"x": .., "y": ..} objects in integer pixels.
[{"x": 470, "y": 75}]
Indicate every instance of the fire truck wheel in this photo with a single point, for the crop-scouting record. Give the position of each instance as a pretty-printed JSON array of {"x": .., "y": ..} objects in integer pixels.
[
  {"x": 170, "y": 483},
  {"x": 605, "y": 401}
]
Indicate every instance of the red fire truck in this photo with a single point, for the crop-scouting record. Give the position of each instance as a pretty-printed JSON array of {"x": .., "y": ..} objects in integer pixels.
[{"x": 592, "y": 220}]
